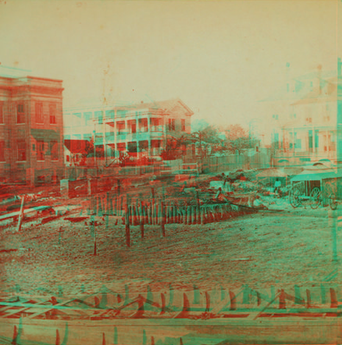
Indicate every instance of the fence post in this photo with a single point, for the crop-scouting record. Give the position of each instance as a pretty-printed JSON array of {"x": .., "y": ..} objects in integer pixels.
[
  {"x": 162, "y": 222},
  {"x": 141, "y": 219},
  {"x": 189, "y": 215},
  {"x": 333, "y": 298},
  {"x": 282, "y": 304},
  {"x": 128, "y": 233}
]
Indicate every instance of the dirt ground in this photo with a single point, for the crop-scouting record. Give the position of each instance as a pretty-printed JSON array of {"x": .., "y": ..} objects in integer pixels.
[{"x": 292, "y": 246}]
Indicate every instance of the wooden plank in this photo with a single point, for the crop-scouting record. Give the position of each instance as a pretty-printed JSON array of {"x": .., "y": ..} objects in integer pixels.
[
  {"x": 254, "y": 315},
  {"x": 51, "y": 307},
  {"x": 30, "y": 210}
]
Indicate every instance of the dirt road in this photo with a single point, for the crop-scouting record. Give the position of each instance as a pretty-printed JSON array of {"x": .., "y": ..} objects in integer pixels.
[{"x": 264, "y": 249}]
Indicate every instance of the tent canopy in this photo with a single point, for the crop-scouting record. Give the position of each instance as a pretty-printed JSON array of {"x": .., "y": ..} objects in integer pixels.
[
  {"x": 272, "y": 172},
  {"x": 317, "y": 173}
]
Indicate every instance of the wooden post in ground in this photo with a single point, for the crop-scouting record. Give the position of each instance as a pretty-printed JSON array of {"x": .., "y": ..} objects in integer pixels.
[
  {"x": 137, "y": 212},
  {"x": 198, "y": 218},
  {"x": 107, "y": 202},
  {"x": 121, "y": 205},
  {"x": 162, "y": 221},
  {"x": 21, "y": 214},
  {"x": 145, "y": 214},
  {"x": 153, "y": 205},
  {"x": 188, "y": 213},
  {"x": 115, "y": 209},
  {"x": 95, "y": 251},
  {"x": 157, "y": 218},
  {"x": 127, "y": 228},
  {"x": 141, "y": 220}
]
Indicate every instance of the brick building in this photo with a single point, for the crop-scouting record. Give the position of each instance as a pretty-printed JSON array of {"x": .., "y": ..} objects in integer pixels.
[{"x": 31, "y": 130}]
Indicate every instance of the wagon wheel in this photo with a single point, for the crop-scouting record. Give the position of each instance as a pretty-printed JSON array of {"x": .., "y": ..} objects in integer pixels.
[
  {"x": 294, "y": 198},
  {"x": 315, "y": 198},
  {"x": 332, "y": 201}
]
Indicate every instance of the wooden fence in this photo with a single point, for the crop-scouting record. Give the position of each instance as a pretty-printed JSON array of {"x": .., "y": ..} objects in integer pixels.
[{"x": 156, "y": 211}]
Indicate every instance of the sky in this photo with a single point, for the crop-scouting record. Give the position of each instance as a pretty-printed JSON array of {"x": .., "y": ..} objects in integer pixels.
[{"x": 219, "y": 57}]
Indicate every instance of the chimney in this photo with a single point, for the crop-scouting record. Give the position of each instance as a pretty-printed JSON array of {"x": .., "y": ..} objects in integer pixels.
[
  {"x": 287, "y": 77},
  {"x": 319, "y": 76}
]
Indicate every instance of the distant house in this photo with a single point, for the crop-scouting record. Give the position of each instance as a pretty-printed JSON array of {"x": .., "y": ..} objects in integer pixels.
[
  {"x": 308, "y": 129},
  {"x": 31, "y": 130}
]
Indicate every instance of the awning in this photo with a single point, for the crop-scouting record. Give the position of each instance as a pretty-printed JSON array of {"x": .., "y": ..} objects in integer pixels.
[{"x": 45, "y": 134}]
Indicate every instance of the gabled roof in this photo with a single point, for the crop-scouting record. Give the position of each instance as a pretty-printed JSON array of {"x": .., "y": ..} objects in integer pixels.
[
  {"x": 317, "y": 96},
  {"x": 164, "y": 106},
  {"x": 76, "y": 145},
  {"x": 282, "y": 95}
]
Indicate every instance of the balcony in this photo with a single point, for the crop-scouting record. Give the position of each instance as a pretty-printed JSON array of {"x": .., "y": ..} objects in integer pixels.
[{"x": 156, "y": 128}]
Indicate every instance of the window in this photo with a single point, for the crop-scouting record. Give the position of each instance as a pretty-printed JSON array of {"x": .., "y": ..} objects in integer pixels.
[
  {"x": 132, "y": 126},
  {"x": 276, "y": 139},
  {"x": 2, "y": 112},
  {"x": 332, "y": 142},
  {"x": 156, "y": 124},
  {"x": 298, "y": 144},
  {"x": 110, "y": 114},
  {"x": 54, "y": 150},
  {"x": 2, "y": 150},
  {"x": 143, "y": 127},
  {"x": 316, "y": 138},
  {"x": 21, "y": 150},
  {"x": 120, "y": 125},
  {"x": 39, "y": 112},
  {"x": 183, "y": 125},
  {"x": 20, "y": 113},
  {"x": 310, "y": 140},
  {"x": 99, "y": 116},
  {"x": 88, "y": 118},
  {"x": 110, "y": 135},
  {"x": 275, "y": 117},
  {"x": 40, "y": 150},
  {"x": 172, "y": 124},
  {"x": 52, "y": 113}
]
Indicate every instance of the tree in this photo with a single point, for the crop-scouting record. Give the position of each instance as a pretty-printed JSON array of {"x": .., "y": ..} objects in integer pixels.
[
  {"x": 173, "y": 149},
  {"x": 204, "y": 139},
  {"x": 238, "y": 139}
]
